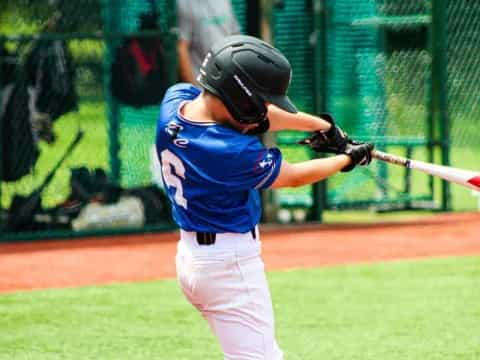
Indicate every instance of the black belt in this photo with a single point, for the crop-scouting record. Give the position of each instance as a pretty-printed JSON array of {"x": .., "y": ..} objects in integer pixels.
[{"x": 204, "y": 238}]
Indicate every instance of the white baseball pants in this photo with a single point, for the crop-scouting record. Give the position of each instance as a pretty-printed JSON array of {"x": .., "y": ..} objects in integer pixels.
[{"x": 226, "y": 282}]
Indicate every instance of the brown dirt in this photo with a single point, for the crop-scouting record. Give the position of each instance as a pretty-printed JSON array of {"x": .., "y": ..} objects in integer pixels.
[{"x": 68, "y": 263}]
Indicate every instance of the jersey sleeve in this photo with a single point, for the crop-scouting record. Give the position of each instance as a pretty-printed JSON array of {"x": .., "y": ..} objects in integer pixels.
[{"x": 257, "y": 167}]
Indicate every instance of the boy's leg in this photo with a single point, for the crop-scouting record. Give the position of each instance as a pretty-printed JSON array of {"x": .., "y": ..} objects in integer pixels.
[
  {"x": 232, "y": 294},
  {"x": 242, "y": 318}
]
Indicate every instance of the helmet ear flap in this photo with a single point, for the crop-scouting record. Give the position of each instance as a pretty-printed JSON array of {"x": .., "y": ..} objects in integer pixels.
[{"x": 245, "y": 106}]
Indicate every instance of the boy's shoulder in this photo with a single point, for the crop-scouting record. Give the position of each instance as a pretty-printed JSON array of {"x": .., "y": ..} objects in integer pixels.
[
  {"x": 175, "y": 95},
  {"x": 184, "y": 90}
]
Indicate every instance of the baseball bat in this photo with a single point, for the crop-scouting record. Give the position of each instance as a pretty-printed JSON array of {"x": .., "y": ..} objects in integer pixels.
[{"x": 467, "y": 178}]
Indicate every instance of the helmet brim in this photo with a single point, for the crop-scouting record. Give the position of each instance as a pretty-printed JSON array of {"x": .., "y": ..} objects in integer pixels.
[{"x": 283, "y": 102}]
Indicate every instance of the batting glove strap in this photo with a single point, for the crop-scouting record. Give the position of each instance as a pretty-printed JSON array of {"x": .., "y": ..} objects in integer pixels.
[
  {"x": 262, "y": 128},
  {"x": 334, "y": 140},
  {"x": 360, "y": 153}
]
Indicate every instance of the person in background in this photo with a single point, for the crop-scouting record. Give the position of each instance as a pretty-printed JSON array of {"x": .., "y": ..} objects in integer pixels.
[{"x": 201, "y": 23}]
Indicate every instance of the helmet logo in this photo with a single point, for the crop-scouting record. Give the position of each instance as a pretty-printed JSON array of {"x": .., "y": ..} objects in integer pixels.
[
  {"x": 242, "y": 85},
  {"x": 207, "y": 57}
]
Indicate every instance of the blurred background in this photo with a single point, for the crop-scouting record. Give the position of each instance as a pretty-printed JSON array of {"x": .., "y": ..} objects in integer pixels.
[{"x": 78, "y": 118}]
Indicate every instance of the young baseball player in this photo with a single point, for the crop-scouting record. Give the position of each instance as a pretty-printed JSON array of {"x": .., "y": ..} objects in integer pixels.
[{"x": 213, "y": 167}]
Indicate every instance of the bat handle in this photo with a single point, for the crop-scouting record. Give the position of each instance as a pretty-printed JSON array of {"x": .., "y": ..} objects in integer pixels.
[{"x": 390, "y": 158}]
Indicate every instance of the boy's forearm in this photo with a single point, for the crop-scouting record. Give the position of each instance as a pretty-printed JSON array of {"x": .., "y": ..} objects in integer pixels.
[{"x": 310, "y": 171}]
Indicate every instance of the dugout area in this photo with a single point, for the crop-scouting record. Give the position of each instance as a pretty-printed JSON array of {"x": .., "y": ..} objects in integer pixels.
[{"x": 400, "y": 74}]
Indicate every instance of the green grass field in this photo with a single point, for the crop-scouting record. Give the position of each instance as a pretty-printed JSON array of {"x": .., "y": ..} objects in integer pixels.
[{"x": 415, "y": 310}]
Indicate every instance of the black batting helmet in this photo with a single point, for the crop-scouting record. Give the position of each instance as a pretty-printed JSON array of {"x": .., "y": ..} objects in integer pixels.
[{"x": 245, "y": 72}]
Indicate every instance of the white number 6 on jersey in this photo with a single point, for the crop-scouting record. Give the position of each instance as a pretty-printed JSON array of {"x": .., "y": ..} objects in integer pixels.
[{"x": 170, "y": 160}]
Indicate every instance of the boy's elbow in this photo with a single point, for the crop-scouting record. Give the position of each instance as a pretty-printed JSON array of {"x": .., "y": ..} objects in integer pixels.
[
  {"x": 293, "y": 180},
  {"x": 288, "y": 177},
  {"x": 296, "y": 181}
]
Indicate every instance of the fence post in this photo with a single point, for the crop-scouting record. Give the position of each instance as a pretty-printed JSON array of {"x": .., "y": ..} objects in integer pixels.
[
  {"x": 1, "y": 143},
  {"x": 111, "y": 24},
  {"x": 439, "y": 95},
  {"x": 320, "y": 188}
]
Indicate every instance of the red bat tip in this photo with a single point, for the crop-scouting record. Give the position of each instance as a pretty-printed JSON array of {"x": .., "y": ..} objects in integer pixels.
[{"x": 475, "y": 181}]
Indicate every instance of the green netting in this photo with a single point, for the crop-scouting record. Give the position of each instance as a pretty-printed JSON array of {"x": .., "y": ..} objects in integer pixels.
[
  {"x": 402, "y": 8},
  {"x": 89, "y": 35},
  {"x": 377, "y": 88},
  {"x": 240, "y": 9},
  {"x": 19, "y": 23},
  {"x": 463, "y": 39},
  {"x": 136, "y": 127},
  {"x": 354, "y": 89},
  {"x": 292, "y": 29},
  {"x": 375, "y": 83},
  {"x": 376, "y": 72}
]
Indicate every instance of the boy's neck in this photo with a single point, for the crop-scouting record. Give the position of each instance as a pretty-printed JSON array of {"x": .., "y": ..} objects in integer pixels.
[{"x": 204, "y": 108}]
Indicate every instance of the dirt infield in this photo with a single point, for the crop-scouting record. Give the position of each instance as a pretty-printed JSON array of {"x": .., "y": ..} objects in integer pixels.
[{"x": 68, "y": 263}]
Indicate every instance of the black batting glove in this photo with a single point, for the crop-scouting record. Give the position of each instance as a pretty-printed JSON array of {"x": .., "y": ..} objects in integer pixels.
[
  {"x": 334, "y": 140},
  {"x": 359, "y": 152}
]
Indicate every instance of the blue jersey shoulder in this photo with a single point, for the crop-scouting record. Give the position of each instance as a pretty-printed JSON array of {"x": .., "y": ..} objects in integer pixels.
[
  {"x": 175, "y": 95},
  {"x": 181, "y": 90}
]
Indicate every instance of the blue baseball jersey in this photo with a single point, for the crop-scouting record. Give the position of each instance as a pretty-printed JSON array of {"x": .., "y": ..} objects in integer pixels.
[{"x": 212, "y": 173}]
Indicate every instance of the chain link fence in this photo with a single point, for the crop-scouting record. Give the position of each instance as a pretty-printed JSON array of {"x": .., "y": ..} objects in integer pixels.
[
  {"x": 377, "y": 86},
  {"x": 369, "y": 63},
  {"x": 88, "y": 170},
  {"x": 463, "y": 71},
  {"x": 379, "y": 73}
]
